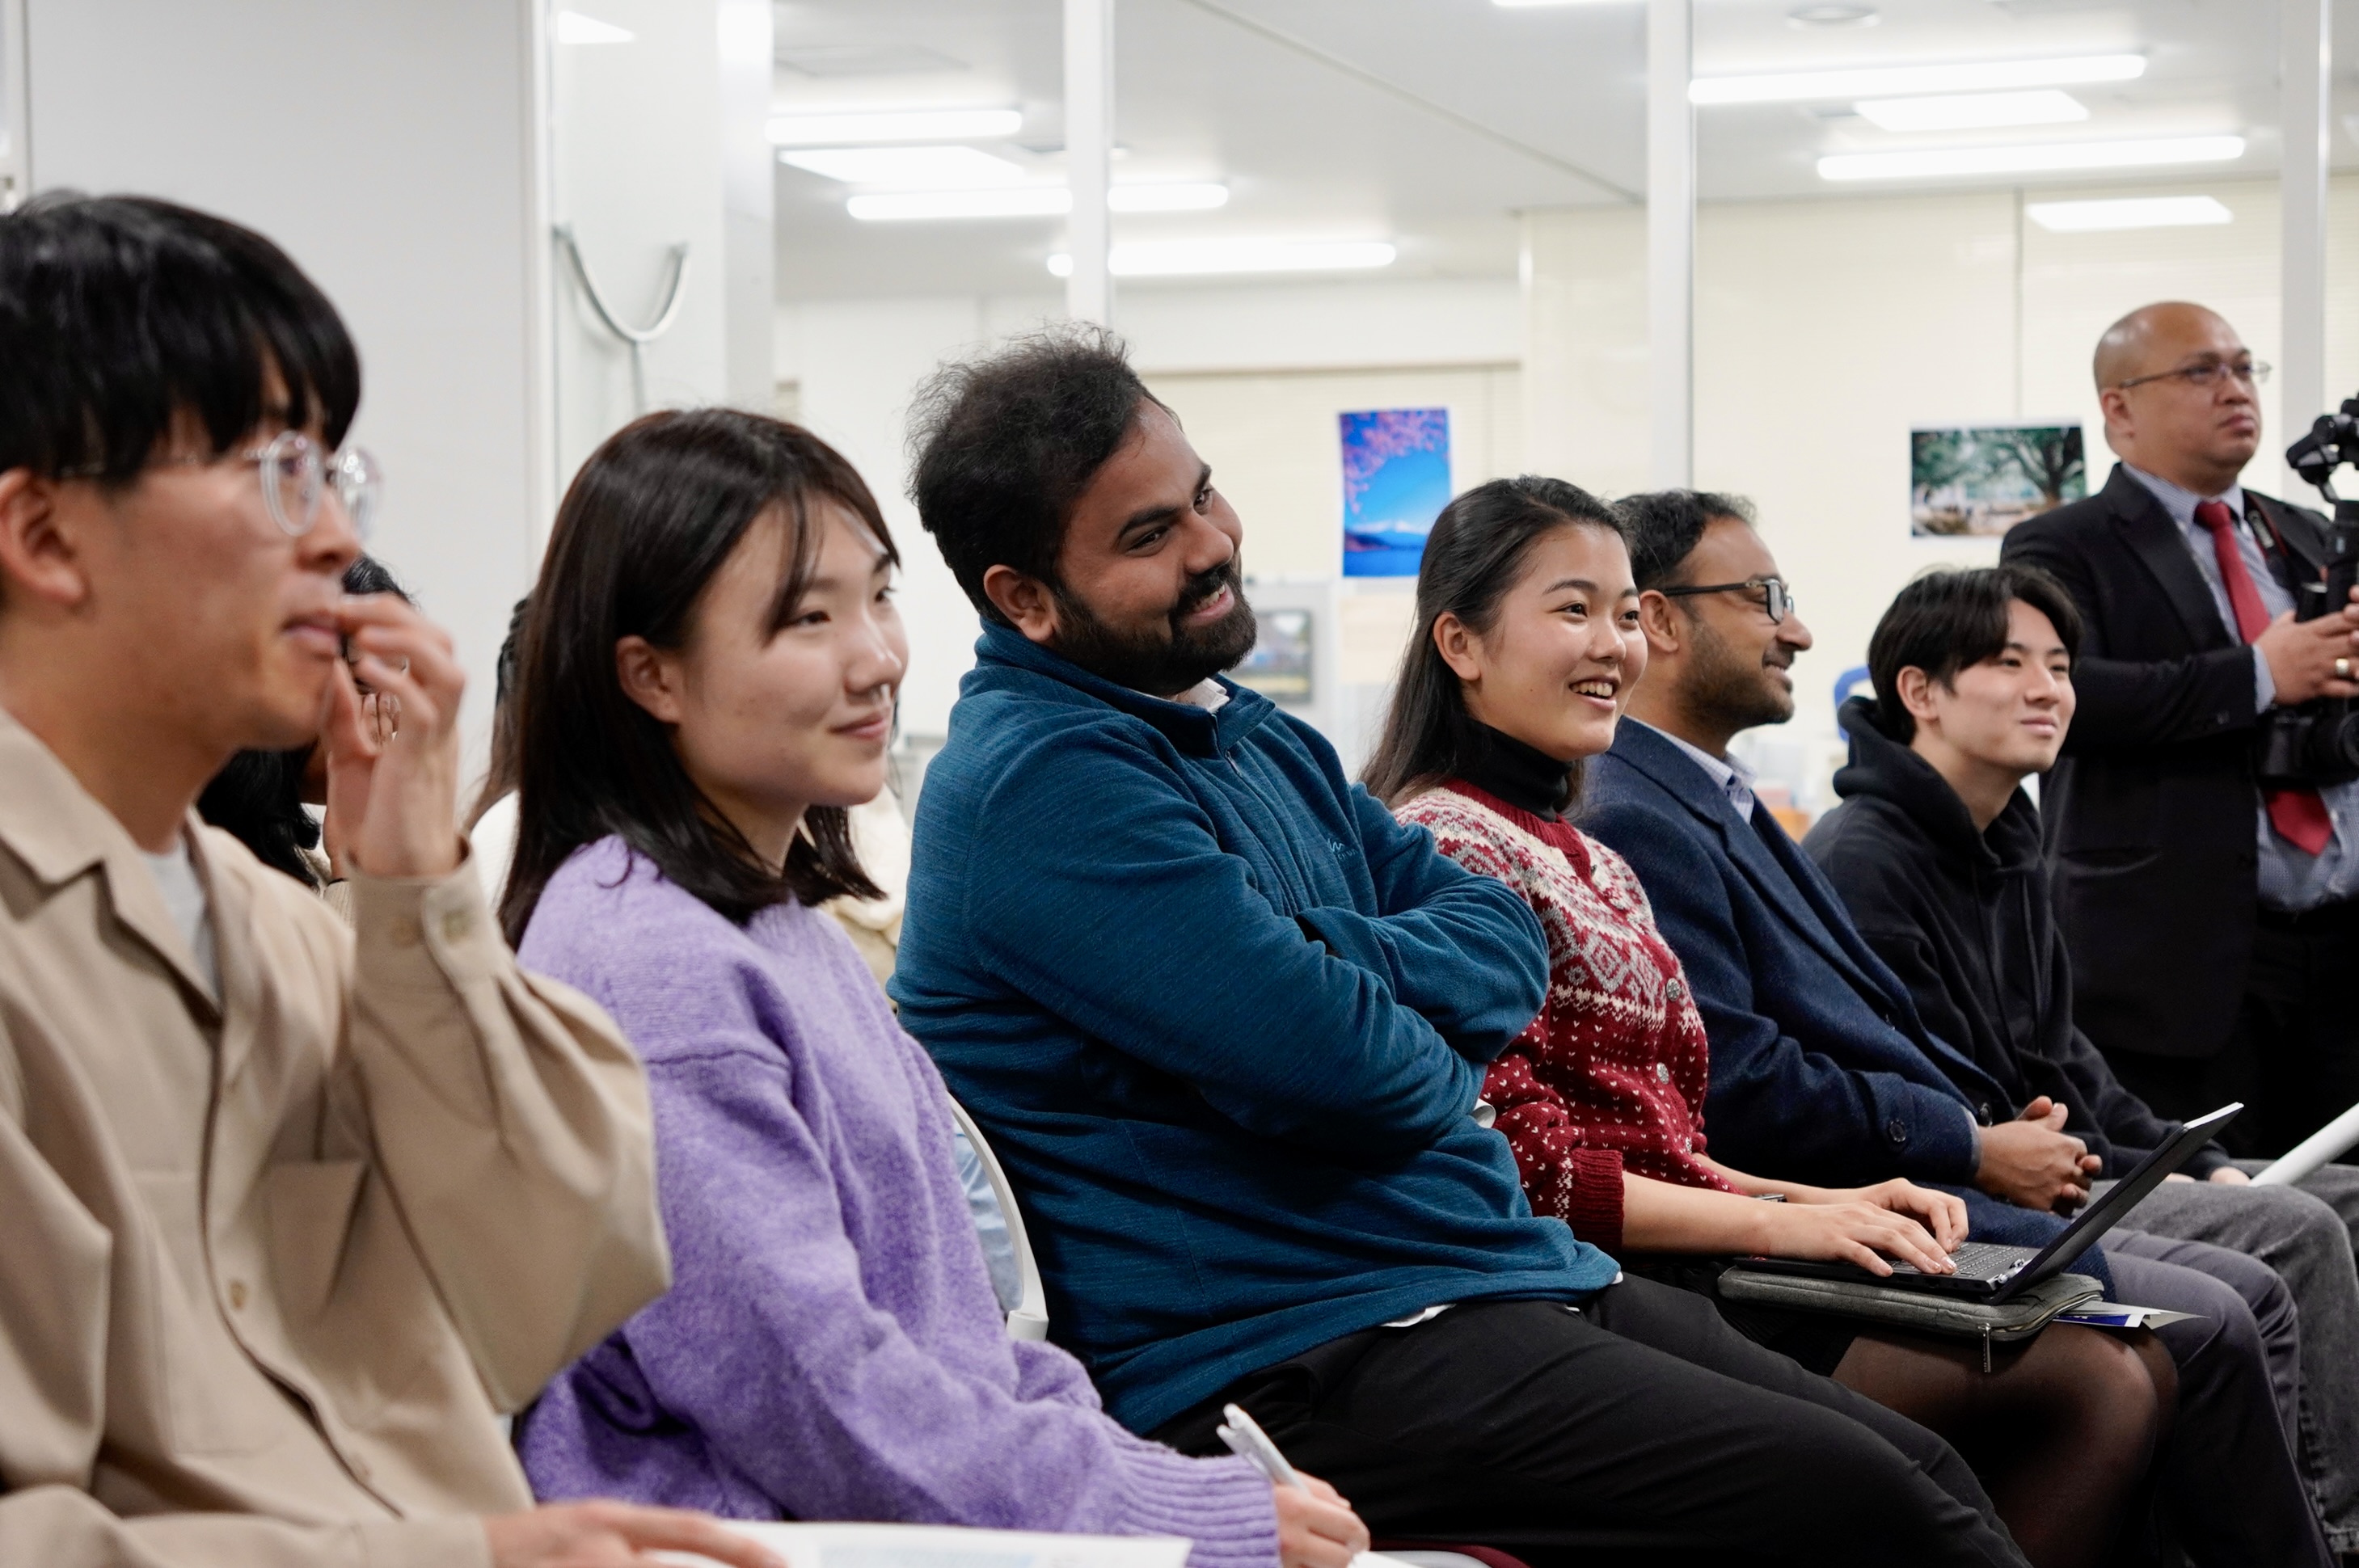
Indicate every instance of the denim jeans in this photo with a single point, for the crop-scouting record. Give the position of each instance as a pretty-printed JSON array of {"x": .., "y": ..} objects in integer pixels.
[{"x": 2304, "y": 1233}]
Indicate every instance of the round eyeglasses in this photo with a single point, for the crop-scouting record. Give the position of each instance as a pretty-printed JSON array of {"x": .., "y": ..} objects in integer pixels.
[{"x": 297, "y": 472}]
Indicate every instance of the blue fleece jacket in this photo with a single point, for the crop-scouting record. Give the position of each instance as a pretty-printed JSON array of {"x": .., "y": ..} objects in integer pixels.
[{"x": 1223, "y": 1020}]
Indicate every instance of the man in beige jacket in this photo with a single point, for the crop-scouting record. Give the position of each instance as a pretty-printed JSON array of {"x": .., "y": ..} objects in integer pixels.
[{"x": 289, "y": 1216}]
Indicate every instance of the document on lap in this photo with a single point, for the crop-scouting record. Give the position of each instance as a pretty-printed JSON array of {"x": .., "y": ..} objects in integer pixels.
[{"x": 947, "y": 1546}]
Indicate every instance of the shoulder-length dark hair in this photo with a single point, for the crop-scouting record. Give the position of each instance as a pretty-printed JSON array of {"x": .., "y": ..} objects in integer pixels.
[
  {"x": 647, "y": 521},
  {"x": 1473, "y": 557}
]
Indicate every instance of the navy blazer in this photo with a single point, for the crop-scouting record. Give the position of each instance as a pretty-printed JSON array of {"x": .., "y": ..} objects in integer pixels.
[{"x": 1821, "y": 1070}]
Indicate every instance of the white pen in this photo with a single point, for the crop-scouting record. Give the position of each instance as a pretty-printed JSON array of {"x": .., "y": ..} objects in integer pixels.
[{"x": 1248, "y": 1442}]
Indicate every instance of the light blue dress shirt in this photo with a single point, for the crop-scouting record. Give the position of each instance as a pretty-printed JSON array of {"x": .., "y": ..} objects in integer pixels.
[
  {"x": 2290, "y": 878},
  {"x": 1732, "y": 778}
]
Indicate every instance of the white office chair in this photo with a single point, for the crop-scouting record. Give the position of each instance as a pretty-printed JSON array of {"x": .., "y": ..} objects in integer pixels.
[{"x": 1028, "y": 1319}]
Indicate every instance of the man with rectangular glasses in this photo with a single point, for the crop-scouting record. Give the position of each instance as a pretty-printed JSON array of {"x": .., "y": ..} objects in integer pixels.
[{"x": 2211, "y": 920}]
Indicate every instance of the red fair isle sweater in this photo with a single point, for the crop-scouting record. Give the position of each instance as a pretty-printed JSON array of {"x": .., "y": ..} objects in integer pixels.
[{"x": 1611, "y": 1075}]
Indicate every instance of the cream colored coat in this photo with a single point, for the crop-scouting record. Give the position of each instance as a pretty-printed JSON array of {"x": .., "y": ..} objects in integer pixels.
[{"x": 271, "y": 1269}]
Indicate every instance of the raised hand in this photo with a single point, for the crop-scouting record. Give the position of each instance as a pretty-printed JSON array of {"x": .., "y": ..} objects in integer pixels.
[{"x": 393, "y": 753}]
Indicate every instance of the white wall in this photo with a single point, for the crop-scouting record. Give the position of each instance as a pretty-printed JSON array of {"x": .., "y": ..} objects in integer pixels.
[
  {"x": 388, "y": 147},
  {"x": 654, "y": 142},
  {"x": 1825, "y": 328},
  {"x": 1228, "y": 356}
]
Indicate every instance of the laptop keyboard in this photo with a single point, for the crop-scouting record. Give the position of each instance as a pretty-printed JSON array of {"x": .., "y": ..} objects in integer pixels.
[{"x": 1979, "y": 1260}]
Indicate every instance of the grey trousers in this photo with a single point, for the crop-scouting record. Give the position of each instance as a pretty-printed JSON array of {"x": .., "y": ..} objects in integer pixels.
[{"x": 2305, "y": 1234}]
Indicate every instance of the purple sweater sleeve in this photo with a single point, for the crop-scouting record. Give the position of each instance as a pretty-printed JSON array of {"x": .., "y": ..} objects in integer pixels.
[{"x": 770, "y": 1345}]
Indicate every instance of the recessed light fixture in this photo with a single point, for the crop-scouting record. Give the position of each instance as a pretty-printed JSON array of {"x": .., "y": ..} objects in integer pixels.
[
  {"x": 2129, "y": 213},
  {"x": 1909, "y": 81},
  {"x": 2040, "y": 157},
  {"x": 1028, "y": 201},
  {"x": 1540, "y": 5},
  {"x": 573, "y": 28},
  {"x": 1974, "y": 110},
  {"x": 1832, "y": 16},
  {"x": 911, "y": 125},
  {"x": 1188, "y": 259},
  {"x": 910, "y": 169}
]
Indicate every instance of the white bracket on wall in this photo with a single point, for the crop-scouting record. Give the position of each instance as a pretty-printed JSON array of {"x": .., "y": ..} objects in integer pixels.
[{"x": 637, "y": 338}]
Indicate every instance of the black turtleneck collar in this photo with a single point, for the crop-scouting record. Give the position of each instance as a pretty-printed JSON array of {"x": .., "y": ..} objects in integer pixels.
[{"x": 1525, "y": 777}]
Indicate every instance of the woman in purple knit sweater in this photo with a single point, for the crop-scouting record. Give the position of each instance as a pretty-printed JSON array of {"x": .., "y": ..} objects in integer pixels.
[{"x": 709, "y": 676}]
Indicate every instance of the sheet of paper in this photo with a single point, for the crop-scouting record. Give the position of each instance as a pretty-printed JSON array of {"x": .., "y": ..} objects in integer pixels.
[
  {"x": 2112, "y": 1314},
  {"x": 947, "y": 1546}
]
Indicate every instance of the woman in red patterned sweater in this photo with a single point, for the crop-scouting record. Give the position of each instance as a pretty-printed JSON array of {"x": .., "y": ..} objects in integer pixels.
[{"x": 1528, "y": 647}]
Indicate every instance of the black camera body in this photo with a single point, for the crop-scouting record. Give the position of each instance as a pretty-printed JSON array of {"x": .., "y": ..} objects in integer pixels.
[{"x": 2318, "y": 742}]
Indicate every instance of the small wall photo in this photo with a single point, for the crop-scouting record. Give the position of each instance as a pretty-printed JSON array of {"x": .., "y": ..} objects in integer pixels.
[
  {"x": 1984, "y": 479},
  {"x": 1396, "y": 481}
]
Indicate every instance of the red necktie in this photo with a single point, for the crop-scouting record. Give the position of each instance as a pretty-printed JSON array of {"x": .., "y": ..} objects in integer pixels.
[{"x": 2297, "y": 815}]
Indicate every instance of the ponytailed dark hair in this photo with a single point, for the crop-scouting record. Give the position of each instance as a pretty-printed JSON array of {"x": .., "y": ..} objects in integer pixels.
[
  {"x": 647, "y": 521},
  {"x": 1473, "y": 555}
]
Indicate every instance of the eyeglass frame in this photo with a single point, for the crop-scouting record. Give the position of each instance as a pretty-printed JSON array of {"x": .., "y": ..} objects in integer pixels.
[
  {"x": 1776, "y": 597},
  {"x": 2253, "y": 373},
  {"x": 357, "y": 494}
]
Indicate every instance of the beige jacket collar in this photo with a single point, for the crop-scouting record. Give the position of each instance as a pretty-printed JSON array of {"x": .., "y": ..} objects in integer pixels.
[{"x": 60, "y": 830}]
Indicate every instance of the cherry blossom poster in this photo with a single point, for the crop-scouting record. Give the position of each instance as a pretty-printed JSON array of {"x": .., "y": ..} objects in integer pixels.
[{"x": 1396, "y": 481}]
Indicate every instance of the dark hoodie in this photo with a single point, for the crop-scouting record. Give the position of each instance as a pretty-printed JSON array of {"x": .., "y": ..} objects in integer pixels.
[{"x": 1967, "y": 921}]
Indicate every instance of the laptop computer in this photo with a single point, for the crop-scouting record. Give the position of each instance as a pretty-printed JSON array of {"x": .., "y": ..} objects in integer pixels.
[{"x": 1991, "y": 1271}]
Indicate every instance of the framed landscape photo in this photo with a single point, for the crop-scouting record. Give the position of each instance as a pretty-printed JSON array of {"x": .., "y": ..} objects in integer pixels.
[
  {"x": 1396, "y": 481},
  {"x": 1280, "y": 666},
  {"x": 1985, "y": 479}
]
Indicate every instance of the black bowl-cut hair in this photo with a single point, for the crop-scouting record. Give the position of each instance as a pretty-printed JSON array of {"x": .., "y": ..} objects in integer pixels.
[
  {"x": 1004, "y": 446},
  {"x": 1953, "y": 620},
  {"x": 1664, "y": 527},
  {"x": 126, "y": 321}
]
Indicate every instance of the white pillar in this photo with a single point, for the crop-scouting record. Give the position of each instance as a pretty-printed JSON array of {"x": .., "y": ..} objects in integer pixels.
[
  {"x": 2306, "y": 29},
  {"x": 1088, "y": 153},
  {"x": 749, "y": 172},
  {"x": 1670, "y": 243}
]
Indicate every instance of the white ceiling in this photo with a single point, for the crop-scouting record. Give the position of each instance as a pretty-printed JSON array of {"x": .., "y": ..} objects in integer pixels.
[{"x": 1431, "y": 122}]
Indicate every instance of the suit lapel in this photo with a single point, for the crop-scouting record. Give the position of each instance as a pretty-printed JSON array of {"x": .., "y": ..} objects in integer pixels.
[
  {"x": 2156, "y": 542},
  {"x": 1678, "y": 774},
  {"x": 1778, "y": 876}
]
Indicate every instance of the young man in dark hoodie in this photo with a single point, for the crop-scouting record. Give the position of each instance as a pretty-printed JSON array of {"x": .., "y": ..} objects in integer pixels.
[{"x": 1936, "y": 850}]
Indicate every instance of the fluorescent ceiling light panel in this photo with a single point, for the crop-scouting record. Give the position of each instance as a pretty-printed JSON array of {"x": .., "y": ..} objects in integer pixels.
[
  {"x": 1193, "y": 258},
  {"x": 910, "y": 169},
  {"x": 1028, "y": 201},
  {"x": 1536, "y": 4},
  {"x": 573, "y": 28},
  {"x": 1007, "y": 201},
  {"x": 1167, "y": 198},
  {"x": 914, "y": 126},
  {"x": 2134, "y": 212},
  {"x": 1913, "y": 80},
  {"x": 2037, "y": 158},
  {"x": 1974, "y": 110}
]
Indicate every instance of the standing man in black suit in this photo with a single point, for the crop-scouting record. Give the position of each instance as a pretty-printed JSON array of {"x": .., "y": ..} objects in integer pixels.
[{"x": 2213, "y": 926}]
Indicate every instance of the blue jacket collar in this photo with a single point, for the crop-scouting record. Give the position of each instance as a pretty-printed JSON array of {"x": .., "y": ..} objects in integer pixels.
[{"x": 1187, "y": 726}]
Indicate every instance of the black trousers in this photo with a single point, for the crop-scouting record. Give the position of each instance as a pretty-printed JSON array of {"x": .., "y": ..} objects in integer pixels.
[
  {"x": 1641, "y": 1429},
  {"x": 2294, "y": 1057}
]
